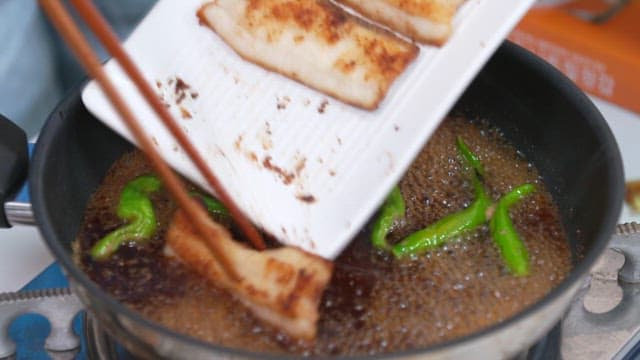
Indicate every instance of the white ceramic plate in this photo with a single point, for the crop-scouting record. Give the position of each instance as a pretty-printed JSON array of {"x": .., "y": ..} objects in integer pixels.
[{"x": 339, "y": 161}]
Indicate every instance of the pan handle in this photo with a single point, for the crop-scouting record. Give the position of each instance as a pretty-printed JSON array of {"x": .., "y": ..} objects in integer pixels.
[{"x": 14, "y": 161}]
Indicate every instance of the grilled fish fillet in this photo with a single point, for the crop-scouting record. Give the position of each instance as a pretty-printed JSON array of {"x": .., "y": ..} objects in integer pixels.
[
  {"x": 427, "y": 21},
  {"x": 282, "y": 287},
  {"x": 315, "y": 43}
]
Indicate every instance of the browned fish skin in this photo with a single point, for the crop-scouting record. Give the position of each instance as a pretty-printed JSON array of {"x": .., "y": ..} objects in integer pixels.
[
  {"x": 426, "y": 21},
  {"x": 315, "y": 43},
  {"x": 282, "y": 287}
]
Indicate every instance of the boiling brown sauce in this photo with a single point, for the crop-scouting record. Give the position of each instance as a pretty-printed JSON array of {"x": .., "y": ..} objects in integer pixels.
[{"x": 374, "y": 304}]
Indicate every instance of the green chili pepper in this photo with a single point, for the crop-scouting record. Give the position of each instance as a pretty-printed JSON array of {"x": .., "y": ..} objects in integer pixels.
[
  {"x": 454, "y": 224},
  {"x": 392, "y": 210},
  {"x": 511, "y": 248},
  {"x": 213, "y": 205},
  {"x": 470, "y": 158},
  {"x": 135, "y": 207},
  {"x": 444, "y": 229}
]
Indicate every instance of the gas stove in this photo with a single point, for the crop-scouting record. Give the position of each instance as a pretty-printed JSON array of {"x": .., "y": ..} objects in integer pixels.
[{"x": 603, "y": 321}]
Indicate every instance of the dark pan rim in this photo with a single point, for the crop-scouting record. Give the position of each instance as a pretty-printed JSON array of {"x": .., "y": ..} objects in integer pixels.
[{"x": 533, "y": 63}]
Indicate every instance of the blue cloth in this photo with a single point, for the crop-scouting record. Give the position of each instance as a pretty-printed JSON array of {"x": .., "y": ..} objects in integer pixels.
[
  {"x": 36, "y": 69},
  {"x": 28, "y": 81}
]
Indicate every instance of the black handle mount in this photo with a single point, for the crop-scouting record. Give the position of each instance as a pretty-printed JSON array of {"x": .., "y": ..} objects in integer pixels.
[{"x": 14, "y": 162}]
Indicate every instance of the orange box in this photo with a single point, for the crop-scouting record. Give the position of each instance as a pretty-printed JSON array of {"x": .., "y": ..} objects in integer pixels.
[{"x": 601, "y": 58}]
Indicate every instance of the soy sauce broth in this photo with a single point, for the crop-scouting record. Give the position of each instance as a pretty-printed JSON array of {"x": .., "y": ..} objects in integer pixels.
[{"x": 374, "y": 303}]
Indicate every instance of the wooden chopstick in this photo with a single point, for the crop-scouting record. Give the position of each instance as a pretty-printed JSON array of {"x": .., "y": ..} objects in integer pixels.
[
  {"x": 108, "y": 38},
  {"x": 65, "y": 25}
]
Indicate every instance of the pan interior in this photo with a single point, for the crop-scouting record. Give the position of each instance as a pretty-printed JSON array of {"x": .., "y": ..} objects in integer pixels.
[{"x": 555, "y": 126}]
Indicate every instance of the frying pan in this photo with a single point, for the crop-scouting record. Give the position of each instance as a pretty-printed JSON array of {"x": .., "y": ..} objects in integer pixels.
[{"x": 552, "y": 122}]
